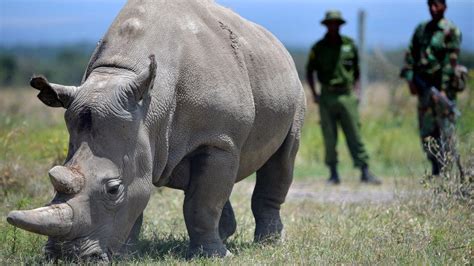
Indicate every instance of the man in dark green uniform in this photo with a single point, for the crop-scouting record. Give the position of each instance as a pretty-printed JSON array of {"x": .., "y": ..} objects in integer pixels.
[
  {"x": 335, "y": 60},
  {"x": 431, "y": 61}
]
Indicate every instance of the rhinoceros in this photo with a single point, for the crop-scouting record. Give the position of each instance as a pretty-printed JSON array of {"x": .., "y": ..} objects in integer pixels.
[{"x": 184, "y": 94}]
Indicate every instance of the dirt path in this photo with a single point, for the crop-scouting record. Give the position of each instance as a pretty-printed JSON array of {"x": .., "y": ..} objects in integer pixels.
[{"x": 347, "y": 192}]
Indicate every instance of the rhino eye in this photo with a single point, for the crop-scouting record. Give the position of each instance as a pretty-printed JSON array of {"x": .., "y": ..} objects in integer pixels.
[
  {"x": 114, "y": 193},
  {"x": 113, "y": 187}
]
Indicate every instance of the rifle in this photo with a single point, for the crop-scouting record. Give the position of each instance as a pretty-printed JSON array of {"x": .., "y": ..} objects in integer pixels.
[{"x": 434, "y": 93}]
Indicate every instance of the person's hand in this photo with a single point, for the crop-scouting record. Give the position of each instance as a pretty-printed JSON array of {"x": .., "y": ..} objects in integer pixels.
[
  {"x": 436, "y": 98},
  {"x": 358, "y": 91},
  {"x": 413, "y": 88}
]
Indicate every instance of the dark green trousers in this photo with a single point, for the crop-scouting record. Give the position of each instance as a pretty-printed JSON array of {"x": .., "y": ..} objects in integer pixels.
[{"x": 341, "y": 109}]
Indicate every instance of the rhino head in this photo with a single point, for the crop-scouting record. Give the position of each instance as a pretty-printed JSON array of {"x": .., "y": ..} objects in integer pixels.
[{"x": 105, "y": 183}]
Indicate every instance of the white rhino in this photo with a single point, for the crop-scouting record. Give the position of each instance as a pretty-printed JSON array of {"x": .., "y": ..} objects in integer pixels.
[{"x": 184, "y": 94}]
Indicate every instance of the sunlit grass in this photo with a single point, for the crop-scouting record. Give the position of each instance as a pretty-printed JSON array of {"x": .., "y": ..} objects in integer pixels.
[
  {"x": 414, "y": 227},
  {"x": 410, "y": 230}
]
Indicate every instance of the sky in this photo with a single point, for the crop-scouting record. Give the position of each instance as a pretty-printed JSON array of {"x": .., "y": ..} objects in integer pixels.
[{"x": 390, "y": 23}]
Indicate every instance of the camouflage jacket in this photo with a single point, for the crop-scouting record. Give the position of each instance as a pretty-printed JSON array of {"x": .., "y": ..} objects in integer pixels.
[{"x": 433, "y": 53}]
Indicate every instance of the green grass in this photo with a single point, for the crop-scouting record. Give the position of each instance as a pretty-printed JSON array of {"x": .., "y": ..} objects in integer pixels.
[
  {"x": 413, "y": 230},
  {"x": 391, "y": 142},
  {"x": 413, "y": 226},
  {"x": 391, "y": 137}
]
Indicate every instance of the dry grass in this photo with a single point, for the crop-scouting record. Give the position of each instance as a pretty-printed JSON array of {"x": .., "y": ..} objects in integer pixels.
[
  {"x": 413, "y": 227},
  {"x": 401, "y": 222}
]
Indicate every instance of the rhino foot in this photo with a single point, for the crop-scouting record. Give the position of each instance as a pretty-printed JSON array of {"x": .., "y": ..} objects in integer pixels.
[
  {"x": 268, "y": 231},
  {"x": 208, "y": 251}
]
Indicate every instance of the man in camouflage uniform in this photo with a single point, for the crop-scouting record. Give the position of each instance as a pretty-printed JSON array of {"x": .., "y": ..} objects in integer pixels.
[
  {"x": 432, "y": 60},
  {"x": 335, "y": 60}
]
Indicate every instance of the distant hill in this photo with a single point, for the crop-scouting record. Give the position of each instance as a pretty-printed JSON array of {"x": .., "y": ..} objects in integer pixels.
[
  {"x": 390, "y": 24},
  {"x": 62, "y": 63},
  {"x": 66, "y": 63},
  {"x": 381, "y": 63}
]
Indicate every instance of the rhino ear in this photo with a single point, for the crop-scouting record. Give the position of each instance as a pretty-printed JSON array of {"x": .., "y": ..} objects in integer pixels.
[
  {"x": 145, "y": 80},
  {"x": 53, "y": 95}
]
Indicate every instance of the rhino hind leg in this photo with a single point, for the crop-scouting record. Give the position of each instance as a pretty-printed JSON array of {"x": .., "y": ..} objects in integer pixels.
[
  {"x": 273, "y": 182},
  {"x": 227, "y": 223},
  {"x": 213, "y": 173}
]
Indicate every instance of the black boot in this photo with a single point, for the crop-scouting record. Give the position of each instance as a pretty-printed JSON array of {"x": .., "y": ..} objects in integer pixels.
[
  {"x": 435, "y": 167},
  {"x": 367, "y": 177},
  {"x": 334, "y": 178}
]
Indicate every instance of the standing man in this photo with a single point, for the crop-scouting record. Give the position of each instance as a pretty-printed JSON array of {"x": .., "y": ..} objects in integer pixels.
[
  {"x": 335, "y": 60},
  {"x": 431, "y": 61}
]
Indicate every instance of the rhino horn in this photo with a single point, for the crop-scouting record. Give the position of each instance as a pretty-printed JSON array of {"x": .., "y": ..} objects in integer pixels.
[
  {"x": 65, "y": 180},
  {"x": 55, "y": 220},
  {"x": 53, "y": 95}
]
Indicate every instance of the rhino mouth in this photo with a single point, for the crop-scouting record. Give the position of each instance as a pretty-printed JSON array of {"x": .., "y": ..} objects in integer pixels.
[{"x": 78, "y": 250}]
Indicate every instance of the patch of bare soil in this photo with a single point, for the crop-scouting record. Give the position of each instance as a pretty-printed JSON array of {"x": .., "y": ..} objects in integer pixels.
[{"x": 347, "y": 192}]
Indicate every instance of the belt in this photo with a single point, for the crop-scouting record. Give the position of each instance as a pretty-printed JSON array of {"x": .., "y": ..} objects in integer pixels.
[{"x": 337, "y": 88}]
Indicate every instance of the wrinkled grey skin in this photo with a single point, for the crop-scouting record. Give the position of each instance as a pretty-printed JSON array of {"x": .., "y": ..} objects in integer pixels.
[{"x": 183, "y": 94}]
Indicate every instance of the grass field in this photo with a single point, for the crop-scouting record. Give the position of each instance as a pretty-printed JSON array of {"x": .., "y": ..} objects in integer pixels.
[{"x": 404, "y": 221}]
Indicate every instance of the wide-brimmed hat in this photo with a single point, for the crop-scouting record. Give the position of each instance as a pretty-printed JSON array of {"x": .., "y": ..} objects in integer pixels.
[
  {"x": 333, "y": 15},
  {"x": 436, "y": 1}
]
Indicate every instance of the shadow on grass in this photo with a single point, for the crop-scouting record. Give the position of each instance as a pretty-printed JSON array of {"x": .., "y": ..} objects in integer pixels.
[
  {"x": 160, "y": 247},
  {"x": 166, "y": 247}
]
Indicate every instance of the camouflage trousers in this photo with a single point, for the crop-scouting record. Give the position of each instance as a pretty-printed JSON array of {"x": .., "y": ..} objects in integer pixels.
[{"x": 437, "y": 133}]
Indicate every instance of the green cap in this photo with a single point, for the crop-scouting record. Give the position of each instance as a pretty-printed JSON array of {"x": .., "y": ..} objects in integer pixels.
[{"x": 333, "y": 15}]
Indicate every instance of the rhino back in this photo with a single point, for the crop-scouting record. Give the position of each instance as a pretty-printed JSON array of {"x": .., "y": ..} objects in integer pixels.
[
  {"x": 226, "y": 81},
  {"x": 276, "y": 90}
]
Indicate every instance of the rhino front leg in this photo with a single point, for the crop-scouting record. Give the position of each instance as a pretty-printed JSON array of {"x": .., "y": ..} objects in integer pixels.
[
  {"x": 273, "y": 182},
  {"x": 133, "y": 237},
  {"x": 227, "y": 223},
  {"x": 213, "y": 174}
]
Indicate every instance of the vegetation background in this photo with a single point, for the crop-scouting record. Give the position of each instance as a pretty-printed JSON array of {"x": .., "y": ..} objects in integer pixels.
[
  {"x": 408, "y": 220},
  {"x": 405, "y": 221}
]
